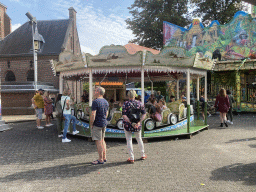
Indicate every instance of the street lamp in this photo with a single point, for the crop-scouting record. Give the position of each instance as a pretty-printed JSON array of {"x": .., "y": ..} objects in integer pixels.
[{"x": 38, "y": 41}]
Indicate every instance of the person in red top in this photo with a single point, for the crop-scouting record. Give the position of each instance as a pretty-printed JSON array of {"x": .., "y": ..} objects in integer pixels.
[{"x": 222, "y": 104}]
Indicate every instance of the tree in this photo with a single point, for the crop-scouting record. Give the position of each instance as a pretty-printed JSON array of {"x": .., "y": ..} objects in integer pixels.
[
  {"x": 221, "y": 10},
  {"x": 148, "y": 16}
]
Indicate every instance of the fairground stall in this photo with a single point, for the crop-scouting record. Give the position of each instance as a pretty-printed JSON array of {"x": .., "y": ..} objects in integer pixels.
[{"x": 114, "y": 67}]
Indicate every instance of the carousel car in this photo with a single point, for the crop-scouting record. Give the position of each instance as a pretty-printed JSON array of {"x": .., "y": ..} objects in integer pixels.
[
  {"x": 178, "y": 108},
  {"x": 115, "y": 118},
  {"x": 82, "y": 111},
  {"x": 168, "y": 118},
  {"x": 175, "y": 112}
]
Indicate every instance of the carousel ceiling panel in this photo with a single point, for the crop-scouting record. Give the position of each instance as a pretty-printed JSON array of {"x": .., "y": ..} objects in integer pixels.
[{"x": 114, "y": 55}]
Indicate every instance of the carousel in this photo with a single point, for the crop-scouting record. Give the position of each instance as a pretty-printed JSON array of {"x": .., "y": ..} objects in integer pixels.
[{"x": 114, "y": 67}]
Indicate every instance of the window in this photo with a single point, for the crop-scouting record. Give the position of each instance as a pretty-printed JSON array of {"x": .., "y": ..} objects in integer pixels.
[
  {"x": 10, "y": 76},
  {"x": 30, "y": 75},
  {"x": 9, "y": 64},
  {"x": 31, "y": 64}
]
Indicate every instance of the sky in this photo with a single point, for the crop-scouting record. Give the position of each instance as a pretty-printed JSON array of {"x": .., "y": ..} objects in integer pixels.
[{"x": 99, "y": 22}]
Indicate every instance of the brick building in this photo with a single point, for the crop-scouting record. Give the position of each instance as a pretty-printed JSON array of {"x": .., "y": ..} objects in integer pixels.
[
  {"x": 16, "y": 61},
  {"x": 5, "y": 22}
]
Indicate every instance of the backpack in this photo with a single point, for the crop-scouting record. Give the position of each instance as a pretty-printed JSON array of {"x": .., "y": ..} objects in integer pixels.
[{"x": 134, "y": 113}]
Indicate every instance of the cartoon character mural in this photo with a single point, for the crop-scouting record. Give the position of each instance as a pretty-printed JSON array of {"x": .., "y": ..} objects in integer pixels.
[{"x": 235, "y": 40}]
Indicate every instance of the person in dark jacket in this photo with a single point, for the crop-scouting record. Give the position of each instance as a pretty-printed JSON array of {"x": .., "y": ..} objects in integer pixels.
[{"x": 230, "y": 113}]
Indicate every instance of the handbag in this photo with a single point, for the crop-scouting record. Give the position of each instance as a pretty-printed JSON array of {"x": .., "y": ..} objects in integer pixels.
[{"x": 62, "y": 117}]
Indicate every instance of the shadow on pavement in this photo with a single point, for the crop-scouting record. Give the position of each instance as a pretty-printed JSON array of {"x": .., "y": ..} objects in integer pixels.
[
  {"x": 59, "y": 172},
  {"x": 252, "y": 146},
  {"x": 26, "y": 144},
  {"x": 236, "y": 172},
  {"x": 241, "y": 140}
]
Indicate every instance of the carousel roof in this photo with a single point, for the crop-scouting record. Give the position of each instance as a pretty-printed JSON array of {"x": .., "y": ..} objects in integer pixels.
[
  {"x": 117, "y": 59},
  {"x": 133, "y": 48}
]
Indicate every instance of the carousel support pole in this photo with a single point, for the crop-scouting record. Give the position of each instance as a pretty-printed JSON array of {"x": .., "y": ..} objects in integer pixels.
[
  {"x": 76, "y": 91},
  {"x": 142, "y": 85},
  {"x": 238, "y": 92},
  {"x": 197, "y": 97},
  {"x": 205, "y": 99},
  {"x": 188, "y": 101},
  {"x": 90, "y": 95},
  {"x": 90, "y": 88},
  {"x": 178, "y": 89},
  {"x": 152, "y": 87},
  {"x": 61, "y": 84},
  {"x": 114, "y": 94},
  {"x": 167, "y": 92}
]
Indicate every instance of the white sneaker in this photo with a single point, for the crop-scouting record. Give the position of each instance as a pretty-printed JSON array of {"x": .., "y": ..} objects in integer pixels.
[
  {"x": 209, "y": 115},
  {"x": 75, "y": 132},
  {"x": 47, "y": 125},
  {"x": 231, "y": 123},
  {"x": 50, "y": 124},
  {"x": 228, "y": 122},
  {"x": 66, "y": 140},
  {"x": 60, "y": 135},
  {"x": 40, "y": 127}
]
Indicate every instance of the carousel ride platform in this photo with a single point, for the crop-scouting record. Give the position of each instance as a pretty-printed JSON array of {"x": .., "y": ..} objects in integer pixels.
[{"x": 179, "y": 129}]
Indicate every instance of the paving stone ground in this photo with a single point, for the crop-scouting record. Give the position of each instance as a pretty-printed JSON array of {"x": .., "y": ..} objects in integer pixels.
[{"x": 212, "y": 160}]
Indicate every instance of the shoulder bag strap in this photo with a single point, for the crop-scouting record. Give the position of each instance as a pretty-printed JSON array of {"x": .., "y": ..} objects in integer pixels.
[{"x": 63, "y": 108}]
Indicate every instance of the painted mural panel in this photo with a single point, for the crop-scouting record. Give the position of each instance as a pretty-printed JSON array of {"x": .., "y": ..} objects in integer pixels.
[{"x": 235, "y": 40}]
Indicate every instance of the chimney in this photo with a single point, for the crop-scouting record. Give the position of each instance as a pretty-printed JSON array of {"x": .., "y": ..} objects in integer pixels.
[
  {"x": 72, "y": 17},
  {"x": 72, "y": 14}
]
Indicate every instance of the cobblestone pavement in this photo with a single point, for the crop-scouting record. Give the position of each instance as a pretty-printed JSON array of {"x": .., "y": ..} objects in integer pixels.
[{"x": 212, "y": 160}]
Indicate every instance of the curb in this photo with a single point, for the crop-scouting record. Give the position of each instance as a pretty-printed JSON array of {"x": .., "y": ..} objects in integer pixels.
[{"x": 20, "y": 121}]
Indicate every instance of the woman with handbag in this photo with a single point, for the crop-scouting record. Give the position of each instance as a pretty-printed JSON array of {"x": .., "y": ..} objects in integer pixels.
[
  {"x": 222, "y": 103},
  {"x": 66, "y": 110},
  {"x": 132, "y": 123}
]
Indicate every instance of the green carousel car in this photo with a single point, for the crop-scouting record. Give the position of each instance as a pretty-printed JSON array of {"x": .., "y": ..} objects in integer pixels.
[{"x": 175, "y": 112}]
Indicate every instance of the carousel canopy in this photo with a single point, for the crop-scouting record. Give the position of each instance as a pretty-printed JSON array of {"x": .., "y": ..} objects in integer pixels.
[{"x": 115, "y": 58}]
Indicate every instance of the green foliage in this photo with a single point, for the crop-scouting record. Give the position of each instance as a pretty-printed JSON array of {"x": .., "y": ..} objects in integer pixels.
[
  {"x": 157, "y": 86},
  {"x": 221, "y": 10},
  {"x": 225, "y": 78},
  {"x": 86, "y": 86},
  {"x": 148, "y": 16}
]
